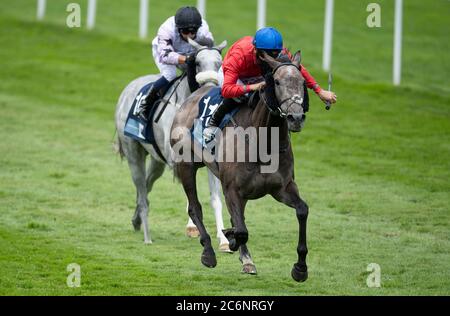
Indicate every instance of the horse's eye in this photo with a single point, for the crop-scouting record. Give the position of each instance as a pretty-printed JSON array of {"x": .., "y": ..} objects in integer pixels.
[{"x": 277, "y": 82}]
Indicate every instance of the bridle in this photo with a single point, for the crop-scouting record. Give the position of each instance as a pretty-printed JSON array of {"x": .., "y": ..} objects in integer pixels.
[
  {"x": 207, "y": 48},
  {"x": 295, "y": 99}
]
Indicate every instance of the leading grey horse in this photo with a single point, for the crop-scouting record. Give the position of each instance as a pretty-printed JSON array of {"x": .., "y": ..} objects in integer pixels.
[
  {"x": 208, "y": 62},
  {"x": 280, "y": 110}
]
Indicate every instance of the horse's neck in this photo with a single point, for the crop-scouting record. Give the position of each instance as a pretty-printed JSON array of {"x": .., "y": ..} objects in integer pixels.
[
  {"x": 183, "y": 90},
  {"x": 181, "y": 93},
  {"x": 261, "y": 117}
]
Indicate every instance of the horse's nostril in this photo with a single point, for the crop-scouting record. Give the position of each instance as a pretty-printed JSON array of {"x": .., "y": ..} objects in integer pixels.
[{"x": 303, "y": 116}]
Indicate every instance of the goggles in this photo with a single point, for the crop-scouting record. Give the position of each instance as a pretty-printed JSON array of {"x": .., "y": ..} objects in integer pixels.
[{"x": 189, "y": 30}]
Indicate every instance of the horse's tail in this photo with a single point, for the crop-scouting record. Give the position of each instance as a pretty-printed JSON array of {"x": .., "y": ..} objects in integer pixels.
[{"x": 117, "y": 145}]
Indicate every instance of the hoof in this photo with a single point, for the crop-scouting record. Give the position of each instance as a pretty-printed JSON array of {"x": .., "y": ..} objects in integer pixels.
[
  {"x": 192, "y": 232},
  {"x": 209, "y": 260},
  {"x": 225, "y": 247},
  {"x": 148, "y": 242},
  {"x": 249, "y": 269},
  {"x": 299, "y": 275}
]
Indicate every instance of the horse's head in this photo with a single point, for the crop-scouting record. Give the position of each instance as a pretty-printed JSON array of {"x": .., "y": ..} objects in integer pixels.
[
  {"x": 285, "y": 90},
  {"x": 208, "y": 59}
]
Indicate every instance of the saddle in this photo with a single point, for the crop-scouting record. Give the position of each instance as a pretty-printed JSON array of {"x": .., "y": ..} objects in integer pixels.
[{"x": 139, "y": 129}]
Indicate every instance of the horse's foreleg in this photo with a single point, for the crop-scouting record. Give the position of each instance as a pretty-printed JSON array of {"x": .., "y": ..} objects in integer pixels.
[
  {"x": 191, "y": 229},
  {"x": 187, "y": 173},
  {"x": 291, "y": 197},
  {"x": 216, "y": 204}
]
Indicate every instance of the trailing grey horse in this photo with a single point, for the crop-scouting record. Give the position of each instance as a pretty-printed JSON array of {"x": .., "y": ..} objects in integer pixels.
[{"x": 208, "y": 61}]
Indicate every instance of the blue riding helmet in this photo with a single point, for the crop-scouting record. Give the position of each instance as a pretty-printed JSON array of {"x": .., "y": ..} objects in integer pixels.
[{"x": 268, "y": 38}]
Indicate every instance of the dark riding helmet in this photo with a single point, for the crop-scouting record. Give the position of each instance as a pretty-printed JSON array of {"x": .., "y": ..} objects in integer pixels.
[{"x": 188, "y": 18}]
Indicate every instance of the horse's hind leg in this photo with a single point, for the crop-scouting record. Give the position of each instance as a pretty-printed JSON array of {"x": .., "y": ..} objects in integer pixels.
[
  {"x": 216, "y": 204},
  {"x": 136, "y": 154},
  {"x": 247, "y": 262},
  {"x": 186, "y": 173},
  {"x": 248, "y": 266},
  {"x": 154, "y": 172},
  {"x": 238, "y": 235}
]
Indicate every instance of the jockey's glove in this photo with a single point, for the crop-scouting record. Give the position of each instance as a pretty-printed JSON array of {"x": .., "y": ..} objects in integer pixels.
[{"x": 190, "y": 59}]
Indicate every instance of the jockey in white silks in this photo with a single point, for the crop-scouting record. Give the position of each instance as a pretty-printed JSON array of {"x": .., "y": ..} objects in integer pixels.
[{"x": 171, "y": 49}]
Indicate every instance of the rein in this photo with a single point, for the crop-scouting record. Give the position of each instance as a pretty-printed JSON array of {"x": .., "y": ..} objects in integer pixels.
[{"x": 168, "y": 99}]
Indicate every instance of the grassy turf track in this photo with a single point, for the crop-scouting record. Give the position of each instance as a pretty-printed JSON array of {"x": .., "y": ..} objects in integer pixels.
[{"x": 374, "y": 170}]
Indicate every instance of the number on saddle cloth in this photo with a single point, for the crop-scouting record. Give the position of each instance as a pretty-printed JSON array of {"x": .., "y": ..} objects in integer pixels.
[
  {"x": 135, "y": 127},
  {"x": 206, "y": 107}
]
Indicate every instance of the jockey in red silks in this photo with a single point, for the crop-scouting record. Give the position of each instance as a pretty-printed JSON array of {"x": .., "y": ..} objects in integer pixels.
[
  {"x": 242, "y": 73},
  {"x": 171, "y": 49}
]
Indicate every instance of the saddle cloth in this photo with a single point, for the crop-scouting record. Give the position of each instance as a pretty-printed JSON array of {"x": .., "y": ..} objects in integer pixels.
[
  {"x": 206, "y": 107},
  {"x": 135, "y": 127}
]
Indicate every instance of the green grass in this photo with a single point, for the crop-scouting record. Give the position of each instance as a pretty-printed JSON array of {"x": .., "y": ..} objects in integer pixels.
[{"x": 374, "y": 170}]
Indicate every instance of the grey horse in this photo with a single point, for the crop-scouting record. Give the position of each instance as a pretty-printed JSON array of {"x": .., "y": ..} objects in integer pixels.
[{"x": 208, "y": 61}]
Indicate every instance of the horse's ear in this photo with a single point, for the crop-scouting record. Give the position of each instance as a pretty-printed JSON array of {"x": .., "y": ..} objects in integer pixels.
[
  {"x": 269, "y": 60},
  {"x": 297, "y": 58},
  {"x": 222, "y": 45},
  {"x": 205, "y": 42},
  {"x": 194, "y": 44}
]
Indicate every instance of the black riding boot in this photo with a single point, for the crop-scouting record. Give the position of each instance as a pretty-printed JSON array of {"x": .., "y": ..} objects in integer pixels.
[
  {"x": 147, "y": 104},
  {"x": 151, "y": 97},
  {"x": 225, "y": 107}
]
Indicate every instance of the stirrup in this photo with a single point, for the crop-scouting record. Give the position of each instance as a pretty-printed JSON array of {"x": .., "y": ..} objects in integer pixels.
[{"x": 209, "y": 133}]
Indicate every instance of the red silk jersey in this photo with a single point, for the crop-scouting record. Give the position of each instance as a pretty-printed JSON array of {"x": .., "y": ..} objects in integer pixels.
[{"x": 240, "y": 62}]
